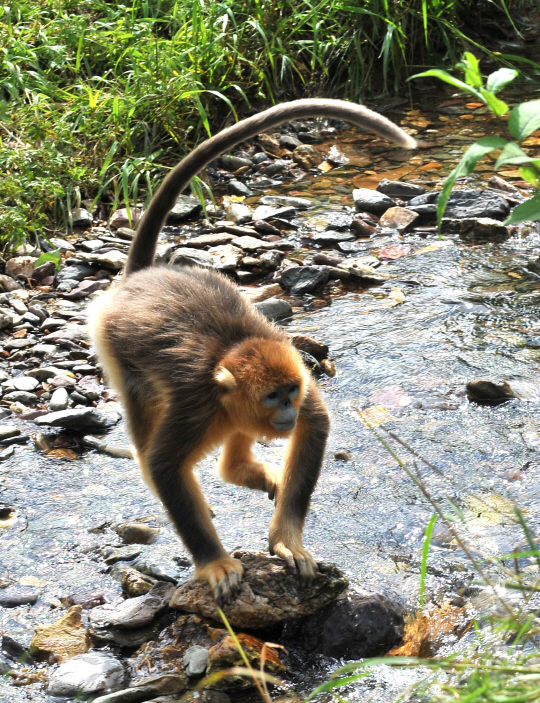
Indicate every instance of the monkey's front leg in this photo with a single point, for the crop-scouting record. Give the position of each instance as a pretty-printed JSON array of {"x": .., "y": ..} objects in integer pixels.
[
  {"x": 301, "y": 471},
  {"x": 238, "y": 465},
  {"x": 170, "y": 461}
]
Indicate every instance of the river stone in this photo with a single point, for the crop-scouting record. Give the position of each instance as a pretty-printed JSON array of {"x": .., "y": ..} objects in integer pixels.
[
  {"x": 8, "y": 431},
  {"x": 483, "y": 229},
  {"x": 362, "y": 272},
  {"x": 186, "y": 206},
  {"x": 398, "y": 218},
  {"x": 8, "y": 284},
  {"x": 331, "y": 237},
  {"x": 238, "y": 212},
  {"x": 86, "y": 674},
  {"x": 275, "y": 167},
  {"x": 16, "y": 595},
  {"x": 489, "y": 392},
  {"x": 213, "y": 240},
  {"x": 312, "y": 346},
  {"x": 68, "y": 334},
  {"x": 80, "y": 418},
  {"x": 61, "y": 640},
  {"x": 306, "y": 156},
  {"x": 85, "y": 288},
  {"x": 21, "y": 266},
  {"x": 81, "y": 218},
  {"x": 251, "y": 243},
  {"x": 233, "y": 163},
  {"x": 135, "y": 584},
  {"x": 238, "y": 188},
  {"x": 137, "y": 533},
  {"x": 92, "y": 245},
  {"x": 371, "y": 200},
  {"x": 354, "y": 627},
  {"x": 7, "y": 318},
  {"x": 75, "y": 272},
  {"x": 462, "y": 204},
  {"x": 304, "y": 279},
  {"x": 225, "y": 654},
  {"x": 285, "y": 201},
  {"x": 398, "y": 189},
  {"x": 46, "y": 269},
  {"x": 311, "y": 363},
  {"x": 289, "y": 142},
  {"x": 114, "y": 259},
  {"x": 19, "y": 343},
  {"x": 195, "y": 660},
  {"x": 186, "y": 256},
  {"x": 362, "y": 229},
  {"x": 5, "y": 665},
  {"x": 128, "y": 695},
  {"x": 134, "y": 612},
  {"x": 59, "y": 400},
  {"x": 270, "y": 593},
  {"x": 225, "y": 257},
  {"x": 22, "y": 397}
]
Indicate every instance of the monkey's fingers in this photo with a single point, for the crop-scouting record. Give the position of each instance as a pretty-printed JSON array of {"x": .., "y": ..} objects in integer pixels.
[
  {"x": 225, "y": 577},
  {"x": 299, "y": 559}
]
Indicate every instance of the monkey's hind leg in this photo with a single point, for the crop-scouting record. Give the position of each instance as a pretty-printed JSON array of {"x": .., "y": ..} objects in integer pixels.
[{"x": 238, "y": 465}]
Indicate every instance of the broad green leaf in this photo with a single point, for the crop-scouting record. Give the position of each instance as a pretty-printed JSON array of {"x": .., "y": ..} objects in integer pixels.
[
  {"x": 524, "y": 119},
  {"x": 468, "y": 161},
  {"x": 529, "y": 174},
  {"x": 513, "y": 154},
  {"x": 447, "y": 78},
  {"x": 498, "y": 80},
  {"x": 499, "y": 107},
  {"x": 49, "y": 256},
  {"x": 529, "y": 210},
  {"x": 471, "y": 65}
]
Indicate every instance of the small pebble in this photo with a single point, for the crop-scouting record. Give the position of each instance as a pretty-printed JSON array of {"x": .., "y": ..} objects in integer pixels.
[{"x": 343, "y": 456}]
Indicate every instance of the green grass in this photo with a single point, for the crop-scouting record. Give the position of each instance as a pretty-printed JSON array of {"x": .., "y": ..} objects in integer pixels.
[{"x": 99, "y": 98}]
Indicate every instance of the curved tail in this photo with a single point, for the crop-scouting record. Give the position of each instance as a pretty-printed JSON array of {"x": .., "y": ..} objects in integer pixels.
[{"x": 143, "y": 247}]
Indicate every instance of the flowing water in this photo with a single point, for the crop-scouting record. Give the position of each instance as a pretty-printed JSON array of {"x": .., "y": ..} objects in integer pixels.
[{"x": 463, "y": 313}]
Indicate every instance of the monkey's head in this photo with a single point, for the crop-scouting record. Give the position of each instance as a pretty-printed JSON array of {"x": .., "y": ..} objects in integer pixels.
[{"x": 263, "y": 384}]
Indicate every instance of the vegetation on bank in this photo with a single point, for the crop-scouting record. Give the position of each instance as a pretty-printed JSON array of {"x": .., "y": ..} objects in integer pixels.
[{"x": 101, "y": 97}]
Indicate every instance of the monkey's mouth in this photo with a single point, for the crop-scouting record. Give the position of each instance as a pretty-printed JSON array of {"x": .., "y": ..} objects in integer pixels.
[{"x": 284, "y": 426}]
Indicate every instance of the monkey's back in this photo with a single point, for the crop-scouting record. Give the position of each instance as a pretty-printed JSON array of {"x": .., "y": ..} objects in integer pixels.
[{"x": 188, "y": 314}]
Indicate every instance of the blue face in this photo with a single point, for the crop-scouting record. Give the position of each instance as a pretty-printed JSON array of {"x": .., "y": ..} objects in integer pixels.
[{"x": 281, "y": 399}]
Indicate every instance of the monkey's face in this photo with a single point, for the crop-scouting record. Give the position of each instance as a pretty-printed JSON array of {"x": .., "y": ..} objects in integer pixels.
[{"x": 281, "y": 401}]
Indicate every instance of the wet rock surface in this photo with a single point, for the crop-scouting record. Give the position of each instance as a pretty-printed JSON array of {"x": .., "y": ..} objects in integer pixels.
[
  {"x": 270, "y": 594},
  {"x": 87, "y": 674}
]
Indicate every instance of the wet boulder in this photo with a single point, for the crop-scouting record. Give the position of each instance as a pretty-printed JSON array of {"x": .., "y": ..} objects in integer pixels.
[
  {"x": 398, "y": 189},
  {"x": 274, "y": 308},
  {"x": 483, "y": 229},
  {"x": 270, "y": 593},
  {"x": 489, "y": 392},
  {"x": 87, "y": 674},
  {"x": 133, "y": 612},
  {"x": 353, "y": 627},
  {"x": 306, "y": 156},
  {"x": 80, "y": 418},
  {"x": 186, "y": 207},
  {"x": 304, "y": 279},
  {"x": 312, "y": 346},
  {"x": 372, "y": 201},
  {"x": 462, "y": 204}
]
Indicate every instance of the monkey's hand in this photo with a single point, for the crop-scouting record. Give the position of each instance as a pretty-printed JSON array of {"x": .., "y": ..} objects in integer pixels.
[
  {"x": 224, "y": 576},
  {"x": 296, "y": 557}
]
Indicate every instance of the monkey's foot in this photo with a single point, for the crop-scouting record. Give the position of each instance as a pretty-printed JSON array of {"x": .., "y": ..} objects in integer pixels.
[
  {"x": 224, "y": 576},
  {"x": 252, "y": 474},
  {"x": 299, "y": 559}
]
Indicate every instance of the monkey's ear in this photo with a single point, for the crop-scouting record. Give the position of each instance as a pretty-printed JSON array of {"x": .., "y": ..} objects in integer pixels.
[{"x": 225, "y": 378}]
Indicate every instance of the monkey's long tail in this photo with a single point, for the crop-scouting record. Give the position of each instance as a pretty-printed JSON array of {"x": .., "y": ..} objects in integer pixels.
[{"x": 143, "y": 247}]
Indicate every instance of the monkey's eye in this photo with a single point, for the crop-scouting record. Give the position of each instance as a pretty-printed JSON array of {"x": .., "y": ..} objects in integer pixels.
[
  {"x": 271, "y": 400},
  {"x": 272, "y": 396},
  {"x": 294, "y": 391}
]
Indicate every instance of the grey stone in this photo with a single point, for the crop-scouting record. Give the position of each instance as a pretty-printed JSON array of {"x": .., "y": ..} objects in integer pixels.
[
  {"x": 5, "y": 665},
  {"x": 8, "y": 284},
  {"x": 25, "y": 383},
  {"x": 239, "y": 213},
  {"x": 59, "y": 400},
  {"x": 259, "y": 157},
  {"x": 125, "y": 233},
  {"x": 195, "y": 660},
  {"x": 114, "y": 259},
  {"x": 304, "y": 279},
  {"x": 289, "y": 142},
  {"x": 332, "y": 237},
  {"x": 274, "y": 308},
  {"x": 462, "y": 204},
  {"x": 372, "y": 200},
  {"x": 225, "y": 257},
  {"x": 398, "y": 189},
  {"x": 276, "y": 167},
  {"x": 233, "y": 163},
  {"x": 18, "y": 306},
  {"x": 53, "y": 323},
  {"x": 80, "y": 418},
  {"x": 186, "y": 207},
  {"x": 137, "y": 533},
  {"x": 92, "y": 245},
  {"x": 74, "y": 272},
  {"x": 139, "y": 694},
  {"x": 81, "y": 218},
  {"x": 45, "y": 349},
  {"x": 270, "y": 260},
  {"x": 134, "y": 612},
  {"x": 7, "y": 431},
  {"x": 19, "y": 343},
  {"x": 268, "y": 212},
  {"x": 70, "y": 333},
  {"x": 163, "y": 253},
  {"x": 22, "y": 397},
  {"x": 67, "y": 285},
  {"x": 483, "y": 229},
  {"x": 86, "y": 674},
  {"x": 8, "y": 318},
  {"x": 62, "y": 244},
  {"x": 187, "y": 256},
  {"x": 251, "y": 243},
  {"x": 362, "y": 272},
  {"x": 32, "y": 319},
  {"x": 286, "y": 201},
  {"x": 239, "y": 188},
  {"x": 43, "y": 373},
  {"x": 16, "y": 595}
]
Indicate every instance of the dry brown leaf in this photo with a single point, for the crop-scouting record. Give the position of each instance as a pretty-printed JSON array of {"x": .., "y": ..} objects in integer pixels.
[
  {"x": 20, "y": 334},
  {"x": 374, "y": 416},
  {"x": 427, "y": 633},
  {"x": 63, "y": 454},
  {"x": 430, "y": 247}
]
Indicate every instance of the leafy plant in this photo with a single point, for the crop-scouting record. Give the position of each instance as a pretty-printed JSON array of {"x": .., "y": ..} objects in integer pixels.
[{"x": 523, "y": 120}]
